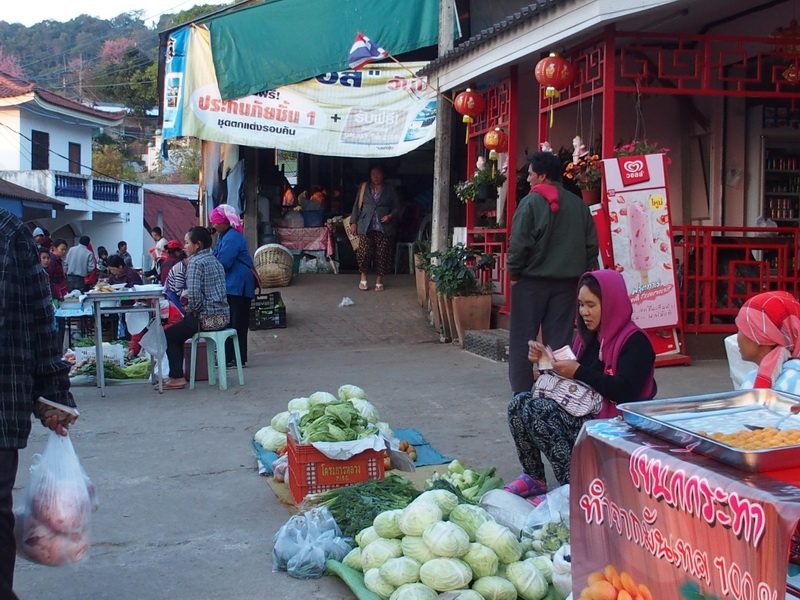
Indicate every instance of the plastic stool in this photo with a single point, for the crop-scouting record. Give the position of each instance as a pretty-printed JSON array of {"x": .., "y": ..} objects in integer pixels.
[{"x": 215, "y": 340}]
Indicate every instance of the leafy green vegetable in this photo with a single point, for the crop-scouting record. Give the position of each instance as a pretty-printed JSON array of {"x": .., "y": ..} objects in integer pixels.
[{"x": 355, "y": 506}]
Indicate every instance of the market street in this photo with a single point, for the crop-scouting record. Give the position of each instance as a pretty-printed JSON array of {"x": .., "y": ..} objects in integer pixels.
[{"x": 183, "y": 512}]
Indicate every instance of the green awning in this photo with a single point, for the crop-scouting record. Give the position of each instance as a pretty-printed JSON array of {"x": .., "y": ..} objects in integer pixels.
[{"x": 279, "y": 42}]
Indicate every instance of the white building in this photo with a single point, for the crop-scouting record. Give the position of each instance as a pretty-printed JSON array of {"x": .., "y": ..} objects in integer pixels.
[{"x": 46, "y": 146}]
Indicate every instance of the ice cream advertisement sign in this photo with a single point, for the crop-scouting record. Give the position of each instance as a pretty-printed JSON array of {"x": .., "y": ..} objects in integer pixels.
[{"x": 638, "y": 211}]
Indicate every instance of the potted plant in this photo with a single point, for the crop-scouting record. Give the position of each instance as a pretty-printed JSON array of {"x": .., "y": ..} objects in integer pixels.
[
  {"x": 422, "y": 264},
  {"x": 482, "y": 185},
  {"x": 640, "y": 148},
  {"x": 586, "y": 172},
  {"x": 457, "y": 275}
]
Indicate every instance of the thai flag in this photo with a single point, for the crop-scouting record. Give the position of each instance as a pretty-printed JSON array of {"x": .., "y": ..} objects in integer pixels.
[{"x": 364, "y": 51}]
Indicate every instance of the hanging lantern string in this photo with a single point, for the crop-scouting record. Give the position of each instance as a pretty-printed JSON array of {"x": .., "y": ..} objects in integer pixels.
[{"x": 639, "y": 131}]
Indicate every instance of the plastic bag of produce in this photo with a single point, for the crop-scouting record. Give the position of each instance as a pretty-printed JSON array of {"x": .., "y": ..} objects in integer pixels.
[
  {"x": 54, "y": 524},
  {"x": 305, "y": 542}
]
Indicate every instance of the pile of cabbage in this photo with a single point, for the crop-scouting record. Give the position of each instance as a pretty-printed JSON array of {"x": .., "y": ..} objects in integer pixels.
[
  {"x": 327, "y": 426},
  {"x": 437, "y": 545}
]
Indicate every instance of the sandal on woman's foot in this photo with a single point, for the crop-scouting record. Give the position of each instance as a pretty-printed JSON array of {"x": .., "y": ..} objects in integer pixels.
[
  {"x": 525, "y": 486},
  {"x": 536, "y": 500},
  {"x": 378, "y": 287},
  {"x": 175, "y": 384},
  {"x": 363, "y": 285}
]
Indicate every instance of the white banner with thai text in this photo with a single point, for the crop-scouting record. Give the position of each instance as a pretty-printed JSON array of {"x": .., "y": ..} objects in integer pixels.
[{"x": 381, "y": 110}]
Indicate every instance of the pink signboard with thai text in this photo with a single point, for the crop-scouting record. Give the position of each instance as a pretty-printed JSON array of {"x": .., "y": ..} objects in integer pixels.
[
  {"x": 638, "y": 210},
  {"x": 659, "y": 521}
]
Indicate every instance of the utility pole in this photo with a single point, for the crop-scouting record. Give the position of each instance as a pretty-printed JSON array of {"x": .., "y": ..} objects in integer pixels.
[{"x": 440, "y": 225}]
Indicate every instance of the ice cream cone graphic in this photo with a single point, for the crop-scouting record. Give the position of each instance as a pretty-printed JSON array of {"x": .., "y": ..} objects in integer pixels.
[{"x": 641, "y": 236}]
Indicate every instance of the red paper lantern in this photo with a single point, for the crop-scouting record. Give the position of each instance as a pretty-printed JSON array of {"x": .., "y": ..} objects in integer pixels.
[
  {"x": 554, "y": 73},
  {"x": 470, "y": 104},
  {"x": 496, "y": 141}
]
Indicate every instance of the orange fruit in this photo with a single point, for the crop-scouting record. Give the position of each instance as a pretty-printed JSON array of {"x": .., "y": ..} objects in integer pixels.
[
  {"x": 602, "y": 590},
  {"x": 628, "y": 584}
]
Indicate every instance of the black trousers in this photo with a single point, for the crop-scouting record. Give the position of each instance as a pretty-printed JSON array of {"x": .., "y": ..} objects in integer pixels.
[
  {"x": 177, "y": 335},
  {"x": 535, "y": 302},
  {"x": 9, "y": 459},
  {"x": 240, "y": 318}
]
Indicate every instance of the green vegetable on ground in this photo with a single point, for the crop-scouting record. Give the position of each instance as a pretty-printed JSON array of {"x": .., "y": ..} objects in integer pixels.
[{"x": 355, "y": 506}]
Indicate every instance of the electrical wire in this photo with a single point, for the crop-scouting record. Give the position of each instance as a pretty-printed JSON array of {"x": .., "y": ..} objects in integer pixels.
[{"x": 89, "y": 167}]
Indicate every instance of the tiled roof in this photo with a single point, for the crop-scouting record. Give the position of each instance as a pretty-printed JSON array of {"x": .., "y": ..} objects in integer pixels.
[
  {"x": 178, "y": 214},
  {"x": 11, "y": 87},
  {"x": 526, "y": 14},
  {"x": 12, "y": 190}
]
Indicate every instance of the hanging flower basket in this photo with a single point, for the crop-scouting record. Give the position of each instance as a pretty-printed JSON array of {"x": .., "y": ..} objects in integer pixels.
[{"x": 585, "y": 172}]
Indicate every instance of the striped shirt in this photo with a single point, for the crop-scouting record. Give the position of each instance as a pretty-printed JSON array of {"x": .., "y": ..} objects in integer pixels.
[
  {"x": 30, "y": 357},
  {"x": 205, "y": 282}
]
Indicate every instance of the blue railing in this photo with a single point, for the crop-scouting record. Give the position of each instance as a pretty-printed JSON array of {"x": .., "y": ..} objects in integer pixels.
[
  {"x": 70, "y": 187},
  {"x": 130, "y": 194},
  {"x": 108, "y": 191}
]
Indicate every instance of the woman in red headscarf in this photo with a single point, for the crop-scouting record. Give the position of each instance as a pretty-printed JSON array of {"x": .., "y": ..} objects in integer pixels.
[{"x": 769, "y": 335}]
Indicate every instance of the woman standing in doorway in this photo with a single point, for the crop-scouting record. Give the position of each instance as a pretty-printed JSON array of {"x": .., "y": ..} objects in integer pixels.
[
  {"x": 231, "y": 251},
  {"x": 373, "y": 217}
]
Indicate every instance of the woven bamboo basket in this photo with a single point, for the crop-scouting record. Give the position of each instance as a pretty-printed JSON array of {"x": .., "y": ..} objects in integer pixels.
[{"x": 274, "y": 265}]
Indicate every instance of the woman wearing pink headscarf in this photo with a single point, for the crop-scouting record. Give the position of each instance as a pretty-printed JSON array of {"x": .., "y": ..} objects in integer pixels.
[
  {"x": 769, "y": 335},
  {"x": 240, "y": 285}
]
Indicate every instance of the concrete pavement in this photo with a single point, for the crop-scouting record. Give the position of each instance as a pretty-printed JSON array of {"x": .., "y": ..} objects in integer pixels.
[{"x": 184, "y": 514}]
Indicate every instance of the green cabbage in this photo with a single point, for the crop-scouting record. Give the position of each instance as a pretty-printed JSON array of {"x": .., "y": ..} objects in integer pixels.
[
  {"x": 445, "y": 574},
  {"x": 280, "y": 421},
  {"x": 384, "y": 428},
  {"x": 366, "y": 535},
  {"x": 530, "y": 583},
  {"x": 495, "y": 588},
  {"x": 544, "y": 565},
  {"x": 415, "y": 548},
  {"x": 400, "y": 570},
  {"x": 377, "y": 585},
  {"x": 299, "y": 404},
  {"x": 353, "y": 559},
  {"x": 348, "y": 392},
  {"x": 386, "y": 524},
  {"x": 482, "y": 560},
  {"x": 467, "y": 595},
  {"x": 366, "y": 409},
  {"x": 269, "y": 438},
  {"x": 500, "y": 539},
  {"x": 416, "y": 591},
  {"x": 447, "y": 501},
  {"x": 417, "y": 516},
  {"x": 446, "y": 539},
  {"x": 469, "y": 518},
  {"x": 321, "y": 398},
  {"x": 374, "y": 554}
]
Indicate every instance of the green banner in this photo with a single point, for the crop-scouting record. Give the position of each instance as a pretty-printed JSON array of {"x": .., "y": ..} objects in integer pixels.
[{"x": 276, "y": 43}]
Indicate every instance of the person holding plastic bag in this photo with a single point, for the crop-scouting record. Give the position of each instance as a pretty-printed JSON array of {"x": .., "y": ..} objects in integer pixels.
[
  {"x": 769, "y": 335},
  {"x": 613, "y": 356},
  {"x": 30, "y": 367}
]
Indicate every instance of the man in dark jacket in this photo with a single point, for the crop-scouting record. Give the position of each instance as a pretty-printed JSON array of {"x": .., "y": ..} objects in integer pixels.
[
  {"x": 30, "y": 366},
  {"x": 553, "y": 242}
]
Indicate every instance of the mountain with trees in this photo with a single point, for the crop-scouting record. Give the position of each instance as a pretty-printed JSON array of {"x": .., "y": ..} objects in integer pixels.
[{"x": 96, "y": 62}]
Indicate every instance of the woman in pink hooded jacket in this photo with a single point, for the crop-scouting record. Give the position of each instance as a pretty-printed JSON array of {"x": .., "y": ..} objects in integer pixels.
[{"x": 614, "y": 357}]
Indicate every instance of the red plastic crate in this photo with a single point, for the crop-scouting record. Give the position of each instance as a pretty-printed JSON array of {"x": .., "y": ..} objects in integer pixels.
[{"x": 310, "y": 471}]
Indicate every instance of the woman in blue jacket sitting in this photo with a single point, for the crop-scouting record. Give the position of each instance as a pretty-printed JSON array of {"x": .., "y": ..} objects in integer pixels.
[{"x": 231, "y": 251}]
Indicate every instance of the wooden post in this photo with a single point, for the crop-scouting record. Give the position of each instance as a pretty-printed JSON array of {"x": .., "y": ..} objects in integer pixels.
[{"x": 440, "y": 228}]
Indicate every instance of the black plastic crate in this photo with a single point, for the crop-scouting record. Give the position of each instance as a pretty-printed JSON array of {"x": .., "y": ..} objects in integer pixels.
[{"x": 267, "y": 311}]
